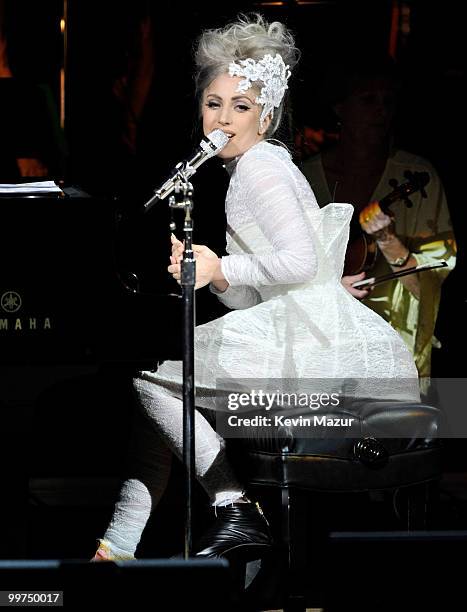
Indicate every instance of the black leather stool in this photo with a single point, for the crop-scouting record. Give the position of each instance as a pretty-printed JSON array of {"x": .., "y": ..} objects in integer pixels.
[{"x": 390, "y": 446}]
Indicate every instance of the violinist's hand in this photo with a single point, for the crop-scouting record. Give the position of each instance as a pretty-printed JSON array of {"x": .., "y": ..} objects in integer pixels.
[
  {"x": 358, "y": 293},
  {"x": 375, "y": 222},
  {"x": 208, "y": 265}
]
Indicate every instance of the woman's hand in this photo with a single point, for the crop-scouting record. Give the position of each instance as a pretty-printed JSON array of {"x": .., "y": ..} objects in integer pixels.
[
  {"x": 347, "y": 282},
  {"x": 208, "y": 265}
]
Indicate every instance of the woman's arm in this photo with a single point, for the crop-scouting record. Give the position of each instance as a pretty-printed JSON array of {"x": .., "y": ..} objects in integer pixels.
[
  {"x": 271, "y": 199},
  {"x": 237, "y": 298},
  {"x": 208, "y": 271}
]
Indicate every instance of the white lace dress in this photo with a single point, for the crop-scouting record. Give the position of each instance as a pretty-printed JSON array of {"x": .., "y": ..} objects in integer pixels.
[{"x": 293, "y": 319}]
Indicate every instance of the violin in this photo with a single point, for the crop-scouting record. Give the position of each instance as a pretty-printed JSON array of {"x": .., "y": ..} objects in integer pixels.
[{"x": 362, "y": 249}]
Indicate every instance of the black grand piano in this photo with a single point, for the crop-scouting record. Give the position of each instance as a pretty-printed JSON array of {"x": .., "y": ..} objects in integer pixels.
[
  {"x": 63, "y": 298},
  {"x": 73, "y": 330}
]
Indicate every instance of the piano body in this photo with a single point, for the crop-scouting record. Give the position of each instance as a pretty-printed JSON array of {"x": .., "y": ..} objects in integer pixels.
[
  {"x": 63, "y": 299},
  {"x": 72, "y": 334}
]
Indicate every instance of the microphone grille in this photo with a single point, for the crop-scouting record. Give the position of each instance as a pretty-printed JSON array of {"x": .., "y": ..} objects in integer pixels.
[{"x": 217, "y": 141}]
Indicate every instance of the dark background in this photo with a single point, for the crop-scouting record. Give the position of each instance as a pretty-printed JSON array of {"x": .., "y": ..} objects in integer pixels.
[
  {"x": 77, "y": 426},
  {"x": 431, "y": 119}
]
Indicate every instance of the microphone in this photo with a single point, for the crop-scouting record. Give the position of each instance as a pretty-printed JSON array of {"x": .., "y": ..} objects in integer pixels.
[{"x": 209, "y": 146}]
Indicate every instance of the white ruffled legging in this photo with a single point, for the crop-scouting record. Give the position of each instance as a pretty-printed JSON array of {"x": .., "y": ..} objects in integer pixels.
[{"x": 158, "y": 432}]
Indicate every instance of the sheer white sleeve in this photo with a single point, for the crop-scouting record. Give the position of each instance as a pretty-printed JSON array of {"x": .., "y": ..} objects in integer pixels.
[
  {"x": 238, "y": 297},
  {"x": 271, "y": 199}
]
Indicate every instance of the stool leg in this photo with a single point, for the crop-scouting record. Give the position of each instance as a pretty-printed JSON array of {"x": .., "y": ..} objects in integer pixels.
[
  {"x": 414, "y": 505},
  {"x": 294, "y": 542},
  {"x": 419, "y": 501}
]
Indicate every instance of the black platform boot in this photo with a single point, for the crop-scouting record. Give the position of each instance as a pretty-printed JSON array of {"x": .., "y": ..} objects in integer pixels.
[{"x": 240, "y": 530}]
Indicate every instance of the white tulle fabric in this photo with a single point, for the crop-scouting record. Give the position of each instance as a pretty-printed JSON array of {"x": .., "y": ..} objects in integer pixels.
[{"x": 293, "y": 319}]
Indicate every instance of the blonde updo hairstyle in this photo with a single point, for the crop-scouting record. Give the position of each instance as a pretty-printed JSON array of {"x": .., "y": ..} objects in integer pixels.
[{"x": 249, "y": 37}]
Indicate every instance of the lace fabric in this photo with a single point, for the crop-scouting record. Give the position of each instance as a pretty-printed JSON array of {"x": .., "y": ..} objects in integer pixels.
[
  {"x": 271, "y": 71},
  {"x": 293, "y": 318}
]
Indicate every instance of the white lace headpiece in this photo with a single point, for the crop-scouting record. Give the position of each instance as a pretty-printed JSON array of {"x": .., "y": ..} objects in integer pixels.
[{"x": 271, "y": 71}]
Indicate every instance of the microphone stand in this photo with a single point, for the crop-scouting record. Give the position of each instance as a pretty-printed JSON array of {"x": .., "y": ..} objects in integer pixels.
[{"x": 183, "y": 198}]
